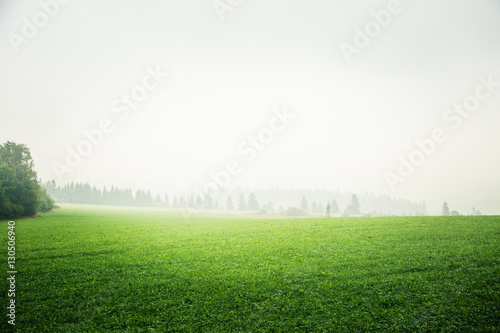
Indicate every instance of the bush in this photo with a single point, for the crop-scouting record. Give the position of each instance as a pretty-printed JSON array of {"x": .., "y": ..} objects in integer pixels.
[
  {"x": 46, "y": 202},
  {"x": 10, "y": 210},
  {"x": 293, "y": 211}
]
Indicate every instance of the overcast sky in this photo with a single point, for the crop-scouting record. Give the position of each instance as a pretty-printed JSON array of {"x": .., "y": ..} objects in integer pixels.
[{"x": 356, "y": 102}]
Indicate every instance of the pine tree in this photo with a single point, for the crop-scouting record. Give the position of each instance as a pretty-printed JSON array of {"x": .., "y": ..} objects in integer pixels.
[
  {"x": 314, "y": 208},
  {"x": 158, "y": 200},
  {"x": 304, "y": 205},
  {"x": 253, "y": 204},
  {"x": 354, "y": 207},
  {"x": 334, "y": 207},
  {"x": 241, "y": 203}
]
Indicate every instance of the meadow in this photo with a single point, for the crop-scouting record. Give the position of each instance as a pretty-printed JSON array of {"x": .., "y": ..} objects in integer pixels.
[{"x": 104, "y": 269}]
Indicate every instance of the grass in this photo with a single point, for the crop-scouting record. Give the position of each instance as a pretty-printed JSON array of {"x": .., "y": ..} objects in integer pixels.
[{"x": 95, "y": 269}]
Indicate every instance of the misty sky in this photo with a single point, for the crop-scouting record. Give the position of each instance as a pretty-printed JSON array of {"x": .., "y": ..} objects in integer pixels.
[{"x": 352, "y": 120}]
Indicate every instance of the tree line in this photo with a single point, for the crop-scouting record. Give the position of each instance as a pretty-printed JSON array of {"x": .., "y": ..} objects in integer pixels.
[
  {"x": 84, "y": 193},
  {"x": 20, "y": 192}
]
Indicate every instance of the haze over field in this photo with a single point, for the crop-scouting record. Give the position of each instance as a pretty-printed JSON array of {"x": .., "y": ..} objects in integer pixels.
[{"x": 289, "y": 94}]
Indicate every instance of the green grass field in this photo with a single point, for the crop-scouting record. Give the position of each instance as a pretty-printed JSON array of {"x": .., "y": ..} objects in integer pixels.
[{"x": 102, "y": 269}]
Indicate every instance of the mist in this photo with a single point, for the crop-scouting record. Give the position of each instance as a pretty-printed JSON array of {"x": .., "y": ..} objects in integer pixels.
[{"x": 396, "y": 98}]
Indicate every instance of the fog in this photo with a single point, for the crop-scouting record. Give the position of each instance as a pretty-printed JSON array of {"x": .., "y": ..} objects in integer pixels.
[{"x": 397, "y": 98}]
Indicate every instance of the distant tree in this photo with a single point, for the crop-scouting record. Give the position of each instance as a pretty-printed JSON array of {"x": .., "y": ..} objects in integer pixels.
[
  {"x": 252, "y": 203},
  {"x": 142, "y": 198},
  {"x": 104, "y": 195},
  {"x": 165, "y": 200},
  {"x": 269, "y": 207},
  {"x": 321, "y": 209},
  {"x": 475, "y": 211},
  {"x": 354, "y": 208},
  {"x": 454, "y": 213},
  {"x": 198, "y": 201},
  {"x": 314, "y": 208},
  {"x": 293, "y": 211},
  {"x": 445, "y": 210},
  {"x": 229, "y": 203},
  {"x": 207, "y": 202},
  {"x": 334, "y": 207},
  {"x": 148, "y": 198},
  {"x": 182, "y": 202},
  {"x": 241, "y": 203},
  {"x": 158, "y": 200},
  {"x": 327, "y": 212},
  {"x": 304, "y": 205}
]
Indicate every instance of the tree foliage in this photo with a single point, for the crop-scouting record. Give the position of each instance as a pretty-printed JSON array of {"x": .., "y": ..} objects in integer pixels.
[
  {"x": 20, "y": 192},
  {"x": 445, "y": 210}
]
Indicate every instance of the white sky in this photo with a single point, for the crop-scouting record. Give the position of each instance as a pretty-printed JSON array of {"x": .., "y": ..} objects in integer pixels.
[{"x": 352, "y": 121}]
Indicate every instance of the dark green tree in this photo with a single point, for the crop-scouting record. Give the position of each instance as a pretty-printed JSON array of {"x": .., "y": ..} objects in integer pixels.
[{"x": 20, "y": 192}]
